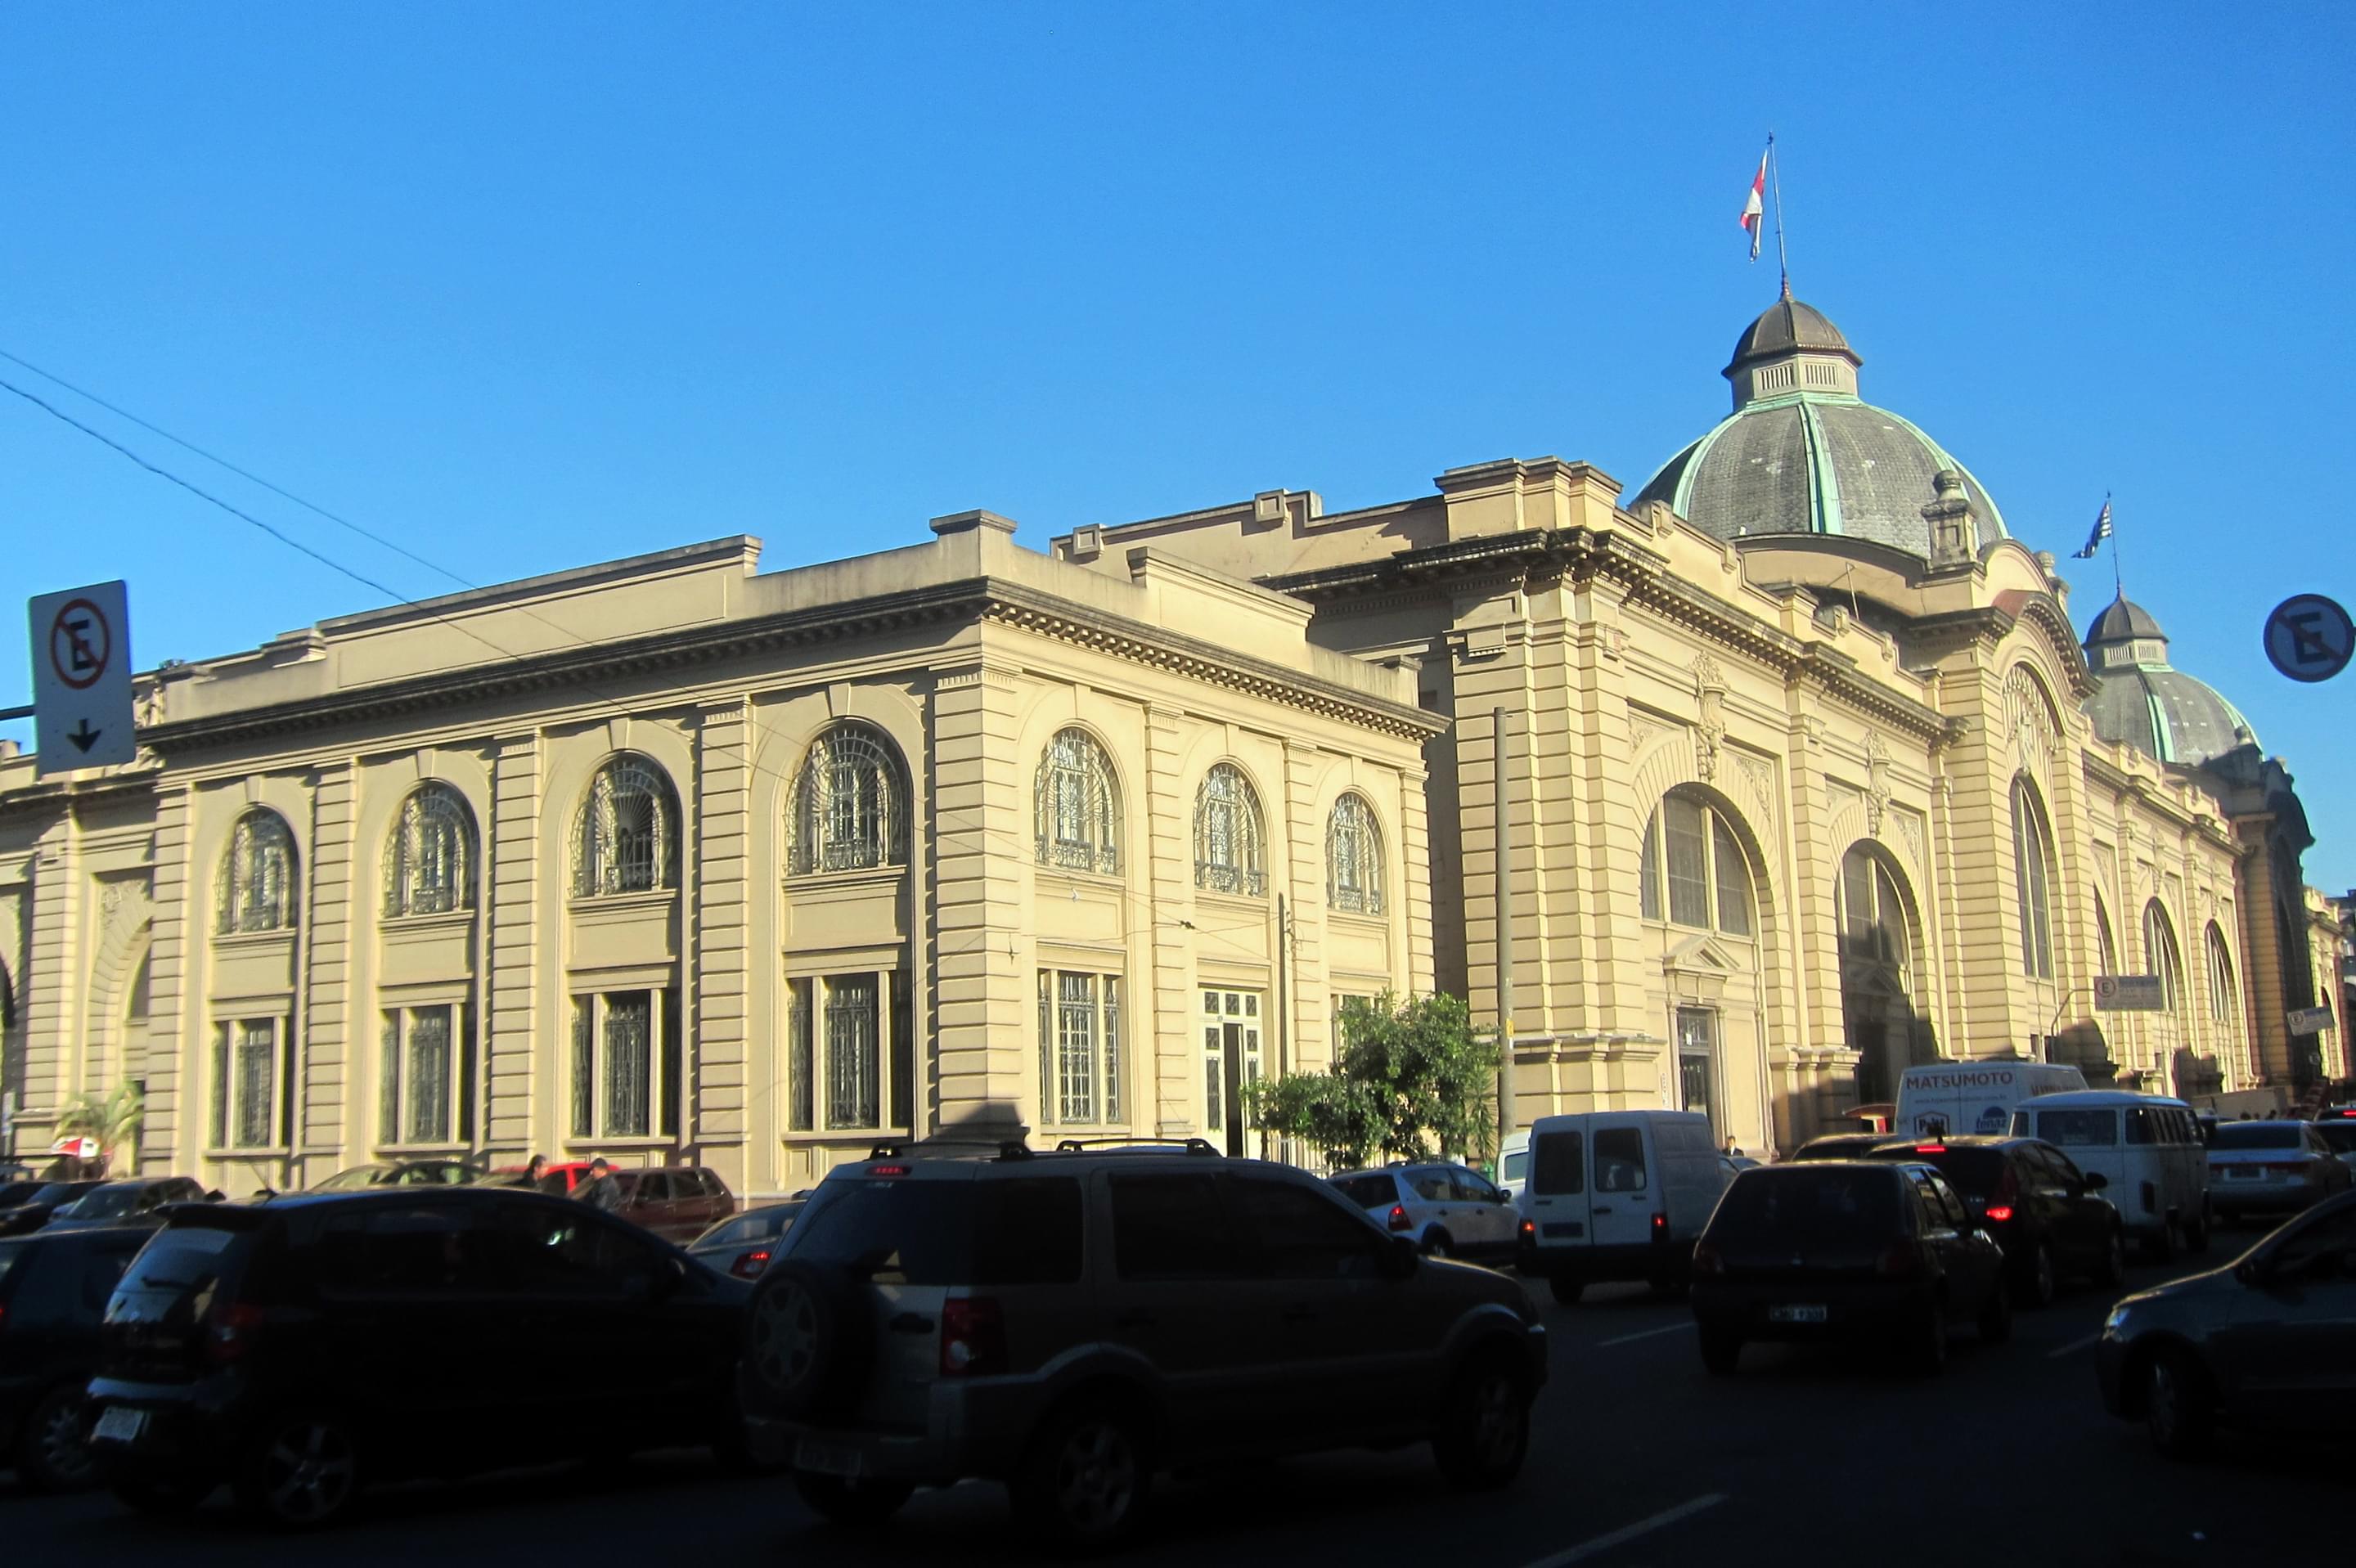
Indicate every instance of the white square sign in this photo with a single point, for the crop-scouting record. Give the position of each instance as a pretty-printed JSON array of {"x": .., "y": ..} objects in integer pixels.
[{"x": 81, "y": 678}]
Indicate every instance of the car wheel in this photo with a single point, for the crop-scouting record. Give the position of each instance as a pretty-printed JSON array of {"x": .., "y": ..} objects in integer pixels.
[
  {"x": 808, "y": 1343},
  {"x": 1439, "y": 1245},
  {"x": 1996, "y": 1317},
  {"x": 1721, "y": 1351},
  {"x": 1084, "y": 1482},
  {"x": 855, "y": 1505},
  {"x": 2033, "y": 1287},
  {"x": 2176, "y": 1408},
  {"x": 53, "y": 1453},
  {"x": 2113, "y": 1272},
  {"x": 300, "y": 1471},
  {"x": 156, "y": 1493},
  {"x": 1928, "y": 1353},
  {"x": 1484, "y": 1430},
  {"x": 1566, "y": 1287}
]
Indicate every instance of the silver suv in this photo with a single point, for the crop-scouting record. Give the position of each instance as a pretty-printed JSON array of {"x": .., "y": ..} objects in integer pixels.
[
  {"x": 1071, "y": 1322},
  {"x": 1448, "y": 1210}
]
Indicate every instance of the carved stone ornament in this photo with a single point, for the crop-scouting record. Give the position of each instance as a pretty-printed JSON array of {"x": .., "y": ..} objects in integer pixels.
[
  {"x": 2030, "y": 721},
  {"x": 1641, "y": 733},
  {"x": 1761, "y": 777},
  {"x": 1877, "y": 781},
  {"x": 1709, "y": 732},
  {"x": 1909, "y": 829}
]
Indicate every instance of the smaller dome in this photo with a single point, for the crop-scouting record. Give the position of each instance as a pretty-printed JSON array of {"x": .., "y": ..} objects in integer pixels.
[
  {"x": 1788, "y": 326},
  {"x": 2139, "y": 699},
  {"x": 2124, "y": 620}
]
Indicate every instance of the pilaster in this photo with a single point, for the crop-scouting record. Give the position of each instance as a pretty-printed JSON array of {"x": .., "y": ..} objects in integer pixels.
[
  {"x": 1173, "y": 1091},
  {"x": 325, "y": 1053},
  {"x": 514, "y": 1036},
  {"x": 171, "y": 1138},
  {"x": 720, "y": 967},
  {"x": 985, "y": 1067}
]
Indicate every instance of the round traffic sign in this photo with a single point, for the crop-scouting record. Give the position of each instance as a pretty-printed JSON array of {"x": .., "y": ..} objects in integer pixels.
[
  {"x": 80, "y": 642},
  {"x": 2309, "y": 637}
]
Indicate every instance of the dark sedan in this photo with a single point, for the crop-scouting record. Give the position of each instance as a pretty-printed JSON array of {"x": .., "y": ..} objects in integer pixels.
[
  {"x": 128, "y": 1202},
  {"x": 1838, "y": 1146},
  {"x": 2264, "y": 1343},
  {"x": 53, "y": 1289},
  {"x": 742, "y": 1244},
  {"x": 1846, "y": 1250},
  {"x": 38, "y": 1207},
  {"x": 2049, "y": 1216}
]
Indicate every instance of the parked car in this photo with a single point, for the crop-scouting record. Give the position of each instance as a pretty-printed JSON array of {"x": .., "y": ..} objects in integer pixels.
[
  {"x": 2269, "y": 1166},
  {"x": 38, "y": 1207},
  {"x": 1617, "y": 1195},
  {"x": 559, "y": 1180},
  {"x": 17, "y": 1190},
  {"x": 743, "y": 1245},
  {"x": 128, "y": 1202},
  {"x": 402, "y": 1173},
  {"x": 1879, "y": 1252},
  {"x": 1071, "y": 1322},
  {"x": 2148, "y": 1146},
  {"x": 1446, "y": 1210},
  {"x": 1840, "y": 1146},
  {"x": 2340, "y": 1134},
  {"x": 2049, "y": 1217},
  {"x": 53, "y": 1291},
  {"x": 676, "y": 1202},
  {"x": 1514, "y": 1164},
  {"x": 301, "y": 1350},
  {"x": 2263, "y": 1344},
  {"x": 1974, "y": 1096}
]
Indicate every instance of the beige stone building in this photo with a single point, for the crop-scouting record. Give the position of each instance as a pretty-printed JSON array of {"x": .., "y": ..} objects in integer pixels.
[{"x": 1808, "y": 776}]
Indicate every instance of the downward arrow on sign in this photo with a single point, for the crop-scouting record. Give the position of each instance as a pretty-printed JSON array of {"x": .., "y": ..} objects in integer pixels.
[{"x": 83, "y": 736}]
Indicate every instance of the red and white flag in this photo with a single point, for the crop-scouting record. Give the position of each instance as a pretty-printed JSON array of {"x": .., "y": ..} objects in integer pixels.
[{"x": 1754, "y": 207}]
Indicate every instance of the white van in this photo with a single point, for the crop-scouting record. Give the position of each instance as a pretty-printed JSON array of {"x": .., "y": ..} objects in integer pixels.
[
  {"x": 1514, "y": 1164},
  {"x": 2150, "y": 1151},
  {"x": 1617, "y": 1195},
  {"x": 1961, "y": 1097}
]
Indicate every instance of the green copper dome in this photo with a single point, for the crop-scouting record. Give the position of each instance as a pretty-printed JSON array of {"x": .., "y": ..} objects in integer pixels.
[{"x": 2139, "y": 699}]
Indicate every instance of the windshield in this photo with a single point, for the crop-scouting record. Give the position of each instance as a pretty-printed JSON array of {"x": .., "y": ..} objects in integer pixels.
[
  {"x": 1006, "y": 1232},
  {"x": 1801, "y": 1203},
  {"x": 103, "y": 1203},
  {"x": 760, "y": 1225},
  {"x": 1367, "y": 1191},
  {"x": 2259, "y": 1135},
  {"x": 1973, "y": 1171},
  {"x": 2340, "y": 1135},
  {"x": 182, "y": 1258},
  {"x": 358, "y": 1177},
  {"x": 2078, "y": 1129},
  {"x": 17, "y": 1192}
]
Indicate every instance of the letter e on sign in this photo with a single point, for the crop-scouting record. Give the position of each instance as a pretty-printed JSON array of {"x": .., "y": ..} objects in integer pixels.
[
  {"x": 81, "y": 678},
  {"x": 2309, "y": 637}
]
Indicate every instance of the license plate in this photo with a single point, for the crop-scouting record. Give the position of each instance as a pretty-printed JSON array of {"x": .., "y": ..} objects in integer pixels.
[
  {"x": 826, "y": 1458},
  {"x": 119, "y": 1424},
  {"x": 2243, "y": 1173},
  {"x": 1795, "y": 1315}
]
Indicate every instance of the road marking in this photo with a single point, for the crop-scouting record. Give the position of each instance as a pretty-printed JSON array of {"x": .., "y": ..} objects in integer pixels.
[
  {"x": 1628, "y": 1533},
  {"x": 2074, "y": 1347},
  {"x": 1631, "y": 1339}
]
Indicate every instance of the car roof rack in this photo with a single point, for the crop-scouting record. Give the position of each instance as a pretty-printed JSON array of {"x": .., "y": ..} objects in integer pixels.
[
  {"x": 1115, "y": 1141},
  {"x": 905, "y": 1148}
]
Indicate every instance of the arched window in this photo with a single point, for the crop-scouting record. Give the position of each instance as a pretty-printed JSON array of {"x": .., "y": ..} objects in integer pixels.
[
  {"x": 627, "y": 842},
  {"x": 2159, "y": 952},
  {"x": 1873, "y": 912},
  {"x": 1709, "y": 876},
  {"x": 1230, "y": 855},
  {"x": 2032, "y": 881},
  {"x": 849, "y": 808},
  {"x": 257, "y": 880},
  {"x": 2224, "y": 998},
  {"x": 1353, "y": 858},
  {"x": 429, "y": 867},
  {"x": 2106, "y": 950},
  {"x": 1075, "y": 808}
]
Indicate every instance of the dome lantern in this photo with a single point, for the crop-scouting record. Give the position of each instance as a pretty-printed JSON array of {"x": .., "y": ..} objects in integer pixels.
[{"x": 2139, "y": 699}]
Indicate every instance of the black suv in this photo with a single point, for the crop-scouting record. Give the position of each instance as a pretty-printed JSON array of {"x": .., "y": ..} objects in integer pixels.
[
  {"x": 2046, "y": 1213},
  {"x": 301, "y": 1350},
  {"x": 1071, "y": 1322},
  {"x": 53, "y": 1289}
]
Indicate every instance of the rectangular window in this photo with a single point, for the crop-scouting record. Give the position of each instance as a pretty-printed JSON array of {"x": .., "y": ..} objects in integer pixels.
[
  {"x": 628, "y": 1075},
  {"x": 1619, "y": 1159},
  {"x": 801, "y": 1077},
  {"x": 1856, "y": 905},
  {"x": 902, "y": 1031},
  {"x": 1172, "y": 1227},
  {"x": 1696, "y": 1060},
  {"x": 1688, "y": 844},
  {"x": 627, "y": 1043},
  {"x": 422, "y": 1076},
  {"x": 584, "y": 1057},
  {"x": 673, "y": 1080},
  {"x": 1733, "y": 880},
  {"x": 247, "y": 1076},
  {"x": 1648, "y": 874},
  {"x": 1560, "y": 1164},
  {"x": 853, "y": 1036},
  {"x": 1079, "y": 1048}
]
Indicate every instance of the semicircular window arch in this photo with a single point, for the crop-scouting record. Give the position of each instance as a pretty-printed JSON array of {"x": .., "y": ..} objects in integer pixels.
[
  {"x": 1692, "y": 871},
  {"x": 848, "y": 807},
  {"x": 1353, "y": 858},
  {"x": 1075, "y": 804},
  {"x": 429, "y": 862},
  {"x": 257, "y": 877},
  {"x": 626, "y": 839},
  {"x": 1230, "y": 835}
]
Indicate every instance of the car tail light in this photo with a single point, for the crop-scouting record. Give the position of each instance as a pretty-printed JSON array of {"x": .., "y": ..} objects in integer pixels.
[
  {"x": 1898, "y": 1261},
  {"x": 236, "y": 1324},
  {"x": 1398, "y": 1220},
  {"x": 1999, "y": 1213},
  {"x": 1706, "y": 1259},
  {"x": 973, "y": 1337},
  {"x": 887, "y": 1170},
  {"x": 748, "y": 1265},
  {"x": 1529, "y": 1229},
  {"x": 1929, "y": 1148},
  {"x": 1660, "y": 1227}
]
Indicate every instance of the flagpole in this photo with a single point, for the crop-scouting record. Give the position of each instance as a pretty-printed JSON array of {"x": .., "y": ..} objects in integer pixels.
[
  {"x": 1775, "y": 174},
  {"x": 2118, "y": 578}
]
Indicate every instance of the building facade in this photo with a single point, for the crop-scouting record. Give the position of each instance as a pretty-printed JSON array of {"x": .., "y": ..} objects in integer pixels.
[{"x": 1807, "y": 775}]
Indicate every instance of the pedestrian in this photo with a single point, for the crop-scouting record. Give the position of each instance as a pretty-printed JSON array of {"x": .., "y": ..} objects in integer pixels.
[
  {"x": 599, "y": 1190},
  {"x": 534, "y": 1171}
]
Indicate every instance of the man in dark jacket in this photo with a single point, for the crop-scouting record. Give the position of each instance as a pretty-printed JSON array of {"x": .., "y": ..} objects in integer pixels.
[{"x": 600, "y": 1190}]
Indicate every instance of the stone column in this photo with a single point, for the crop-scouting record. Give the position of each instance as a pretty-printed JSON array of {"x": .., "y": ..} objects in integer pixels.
[
  {"x": 986, "y": 1062},
  {"x": 172, "y": 1136},
  {"x": 517, "y": 1031},
  {"x": 719, "y": 957},
  {"x": 53, "y": 984},
  {"x": 1166, "y": 1029},
  {"x": 326, "y": 1057}
]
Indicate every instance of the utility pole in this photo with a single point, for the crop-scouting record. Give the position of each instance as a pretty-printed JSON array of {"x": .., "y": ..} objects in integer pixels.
[{"x": 1504, "y": 944}]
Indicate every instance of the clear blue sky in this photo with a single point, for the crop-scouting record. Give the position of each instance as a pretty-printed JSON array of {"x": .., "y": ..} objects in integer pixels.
[{"x": 527, "y": 286}]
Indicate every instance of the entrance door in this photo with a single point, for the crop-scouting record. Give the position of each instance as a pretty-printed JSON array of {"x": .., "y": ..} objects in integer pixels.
[
  {"x": 1697, "y": 1064},
  {"x": 1231, "y": 1059}
]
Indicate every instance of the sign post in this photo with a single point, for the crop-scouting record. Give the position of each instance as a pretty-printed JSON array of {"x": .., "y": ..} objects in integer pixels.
[
  {"x": 2305, "y": 1022},
  {"x": 81, "y": 678},
  {"x": 2129, "y": 994}
]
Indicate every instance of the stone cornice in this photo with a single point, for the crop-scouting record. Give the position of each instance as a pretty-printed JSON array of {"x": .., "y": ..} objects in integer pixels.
[{"x": 969, "y": 599}]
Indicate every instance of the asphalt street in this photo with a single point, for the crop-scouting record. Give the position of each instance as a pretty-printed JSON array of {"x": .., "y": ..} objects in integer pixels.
[{"x": 1806, "y": 1455}]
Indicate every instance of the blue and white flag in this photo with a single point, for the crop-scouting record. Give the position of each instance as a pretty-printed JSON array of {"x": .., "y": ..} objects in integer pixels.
[{"x": 2101, "y": 531}]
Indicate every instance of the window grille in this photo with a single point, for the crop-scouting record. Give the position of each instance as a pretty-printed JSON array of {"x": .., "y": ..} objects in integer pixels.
[
  {"x": 1230, "y": 854},
  {"x": 628, "y": 835},
  {"x": 1077, "y": 813},
  {"x": 850, "y": 807},
  {"x": 852, "y": 1057},
  {"x": 1079, "y": 1048},
  {"x": 1707, "y": 873},
  {"x": 1353, "y": 858},
  {"x": 430, "y": 865},
  {"x": 257, "y": 881}
]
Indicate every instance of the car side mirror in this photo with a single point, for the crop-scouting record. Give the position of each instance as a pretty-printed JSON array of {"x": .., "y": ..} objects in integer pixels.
[
  {"x": 2095, "y": 1180},
  {"x": 1399, "y": 1258}
]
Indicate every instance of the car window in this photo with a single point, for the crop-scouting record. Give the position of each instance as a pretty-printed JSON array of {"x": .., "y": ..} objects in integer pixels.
[
  {"x": 413, "y": 1249},
  {"x": 1299, "y": 1234},
  {"x": 2332, "y": 1233},
  {"x": 654, "y": 1187},
  {"x": 1516, "y": 1164},
  {"x": 1619, "y": 1159},
  {"x": 1558, "y": 1164},
  {"x": 2315, "y": 1143},
  {"x": 559, "y": 1252},
  {"x": 1172, "y": 1226},
  {"x": 1471, "y": 1187},
  {"x": 1027, "y": 1231},
  {"x": 101, "y": 1271},
  {"x": 2078, "y": 1129},
  {"x": 1368, "y": 1192},
  {"x": 2338, "y": 1137},
  {"x": 1796, "y": 1204},
  {"x": 180, "y": 1258},
  {"x": 2142, "y": 1124},
  {"x": 1928, "y": 1204},
  {"x": 1950, "y": 1199},
  {"x": 105, "y": 1203},
  {"x": 2065, "y": 1169},
  {"x": 9, "y": 1253},
  {"x": 2257, "y": 1135},
  {"x": 1432, "y": 1186}
]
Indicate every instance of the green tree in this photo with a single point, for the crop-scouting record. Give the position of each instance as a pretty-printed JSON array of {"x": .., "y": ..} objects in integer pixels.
[
  {"x": 112, "y": 1119},
  {"x": 1413, "y": 1078}
]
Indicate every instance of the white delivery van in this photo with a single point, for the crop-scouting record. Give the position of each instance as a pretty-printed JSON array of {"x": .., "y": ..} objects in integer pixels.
[
  {"x": 1514, "y": 1164},
  {"x": 2150, "y": 1151},
  {"x": 1617, "y": 1195},
  {"x": 1965, "y": 1097}
]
